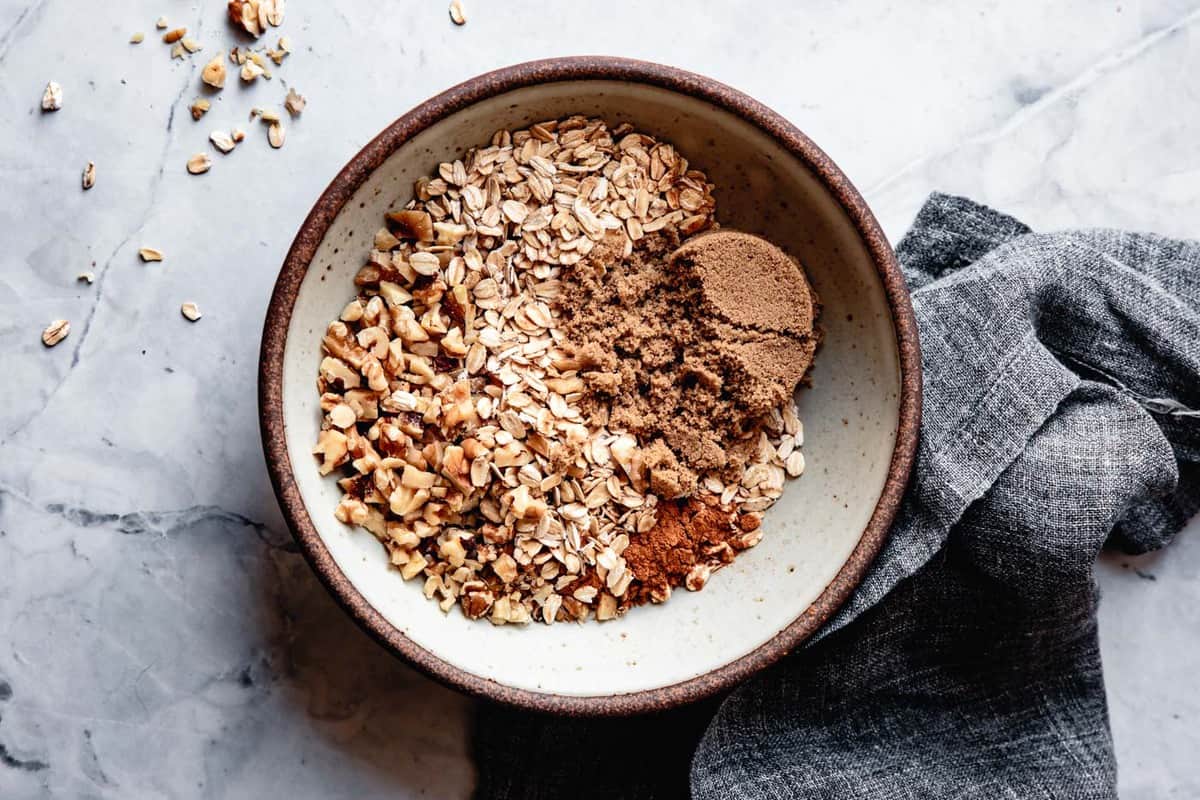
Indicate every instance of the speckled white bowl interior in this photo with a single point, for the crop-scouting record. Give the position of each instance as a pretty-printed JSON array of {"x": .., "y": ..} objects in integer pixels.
[{"x": 850, "y": 413}]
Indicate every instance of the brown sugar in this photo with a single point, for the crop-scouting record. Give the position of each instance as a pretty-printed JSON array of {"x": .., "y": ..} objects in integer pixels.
[{"x": 689, "y": 347}]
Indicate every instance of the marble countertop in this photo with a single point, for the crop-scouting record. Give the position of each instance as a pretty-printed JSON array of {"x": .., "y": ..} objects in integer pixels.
[{"x": 160, "y": 637}]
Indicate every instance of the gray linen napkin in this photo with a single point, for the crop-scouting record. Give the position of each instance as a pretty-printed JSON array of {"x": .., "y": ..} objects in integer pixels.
[{"x": 1062, "y": 374}]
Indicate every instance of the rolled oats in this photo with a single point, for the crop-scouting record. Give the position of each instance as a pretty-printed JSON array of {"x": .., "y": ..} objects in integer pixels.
[
  {"x": 55, "y": 332},
  {"x": 294, "y": 102},
  {"x": 222, "y": 141},
  {"x": 52, "y": 98},
  {"x": 199, "y": 163},
  {"x": 251, "y": 70}
]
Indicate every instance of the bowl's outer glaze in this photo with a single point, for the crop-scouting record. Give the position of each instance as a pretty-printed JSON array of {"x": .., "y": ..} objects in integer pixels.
[{"x": 860, "y": 414}]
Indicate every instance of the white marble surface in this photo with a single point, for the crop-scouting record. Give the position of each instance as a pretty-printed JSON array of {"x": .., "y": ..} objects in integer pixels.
[{"x": 157, "y": 636}]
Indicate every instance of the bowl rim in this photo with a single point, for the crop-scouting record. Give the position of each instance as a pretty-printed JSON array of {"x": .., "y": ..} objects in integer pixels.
[{"x": 364, "y": 163}]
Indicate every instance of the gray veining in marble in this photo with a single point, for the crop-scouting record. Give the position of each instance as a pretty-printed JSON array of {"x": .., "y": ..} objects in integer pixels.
[{"x": 159, "y": 636}]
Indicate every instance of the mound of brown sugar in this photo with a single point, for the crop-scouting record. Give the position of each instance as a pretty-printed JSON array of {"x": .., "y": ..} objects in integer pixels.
[{"x": 689, "y": 347}]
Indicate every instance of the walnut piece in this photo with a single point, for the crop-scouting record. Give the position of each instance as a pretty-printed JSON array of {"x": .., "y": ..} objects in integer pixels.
[{"x": 214, "y": 72}]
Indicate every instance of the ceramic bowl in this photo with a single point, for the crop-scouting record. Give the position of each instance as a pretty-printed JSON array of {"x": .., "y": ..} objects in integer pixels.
[{"x": 860, "y": 415}]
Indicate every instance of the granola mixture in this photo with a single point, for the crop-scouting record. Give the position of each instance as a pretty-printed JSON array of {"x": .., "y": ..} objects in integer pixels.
[{"x": 477, "y": 427}]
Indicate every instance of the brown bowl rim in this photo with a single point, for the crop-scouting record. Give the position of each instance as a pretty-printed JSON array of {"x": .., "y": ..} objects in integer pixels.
[{"x": 352, "y": 176}]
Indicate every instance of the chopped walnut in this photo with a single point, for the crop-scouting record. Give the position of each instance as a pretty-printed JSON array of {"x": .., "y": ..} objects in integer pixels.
[{"x": 52, "y": 98}]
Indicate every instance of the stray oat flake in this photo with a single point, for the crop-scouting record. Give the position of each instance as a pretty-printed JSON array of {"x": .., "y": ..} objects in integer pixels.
[
  {"x": 52, "y": 98},
  {"x": 222, "y": 141},
  {"x": 251, "y": 71},
  {"x": 150, "y": 254},
  {"x": 294, "y": 102},
  {"x": 89, "y": 175},
  {"x": 199, "y": 164},
  {"x": 191, "y": 311},
  {"x": 55, "y": 332},
  {"x": 456, "y": 13}
]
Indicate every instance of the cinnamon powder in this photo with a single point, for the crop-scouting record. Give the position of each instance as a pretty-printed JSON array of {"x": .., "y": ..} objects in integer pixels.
[{"x": 696, "y": 531}]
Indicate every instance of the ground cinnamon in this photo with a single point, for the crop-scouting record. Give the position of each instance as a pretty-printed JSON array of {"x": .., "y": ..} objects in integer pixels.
[{"x": 690, "y": 539}]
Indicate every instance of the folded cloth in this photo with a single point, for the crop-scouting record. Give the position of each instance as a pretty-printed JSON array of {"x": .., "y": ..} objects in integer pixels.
[{"x": 1062, "y": 378}]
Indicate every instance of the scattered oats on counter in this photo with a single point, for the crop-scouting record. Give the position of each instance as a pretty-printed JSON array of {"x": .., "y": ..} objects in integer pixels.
[
  {"x": 251, "y": 71},
  {"x": 150, "y": 254},
  {"x": 222, "y": 141},
  {"x": 294, "y": 102},
  {"x": 199, "y": 163},
  {"x": 89, "y": 175},
  {"x": 278, "y": 55},
  {"x": 55, "y": 332},
  {"x": 52, "y": 98},
  {"x": 452, "y": 403}
]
